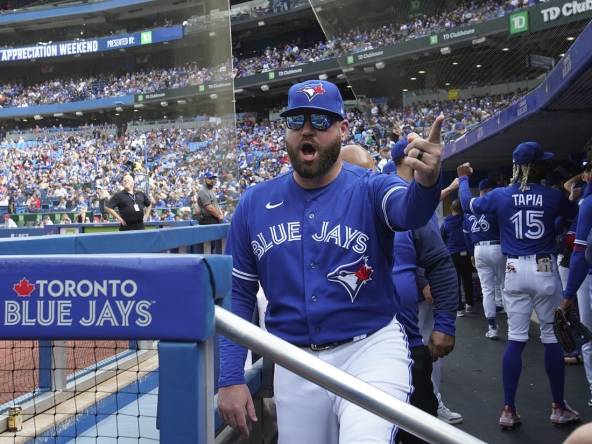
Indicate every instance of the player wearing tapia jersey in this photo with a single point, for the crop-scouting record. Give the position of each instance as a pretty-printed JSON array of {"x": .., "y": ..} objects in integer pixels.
[
  {"x": 483, "y": 232},
  {"x": 526, "y": 213},
  {"x": 320, "y": 241}
]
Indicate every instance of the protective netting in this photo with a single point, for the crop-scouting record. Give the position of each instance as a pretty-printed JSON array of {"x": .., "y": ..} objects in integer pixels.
[{"x": 88, "y": 390}]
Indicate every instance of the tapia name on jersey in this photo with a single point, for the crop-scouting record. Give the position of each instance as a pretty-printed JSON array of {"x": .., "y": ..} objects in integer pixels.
[{"x": 528, "y": 200}]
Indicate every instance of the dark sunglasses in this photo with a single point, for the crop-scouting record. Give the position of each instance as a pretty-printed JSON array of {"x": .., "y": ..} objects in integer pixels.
[{"x": 321, "y": 122}]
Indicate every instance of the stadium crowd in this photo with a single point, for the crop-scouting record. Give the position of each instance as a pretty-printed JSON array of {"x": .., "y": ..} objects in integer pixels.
[
  {"x": 357, "y": 40},
  {"x": 62, "y": 90},
  {"x": 107, "y": 85},
  {"x": 70, "y": 170}
]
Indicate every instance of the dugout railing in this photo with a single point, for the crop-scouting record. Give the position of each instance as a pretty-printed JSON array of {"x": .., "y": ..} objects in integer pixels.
[{"x": 187, "y": 369}]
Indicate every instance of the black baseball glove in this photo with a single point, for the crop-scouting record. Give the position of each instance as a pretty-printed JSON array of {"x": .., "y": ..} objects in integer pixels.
[{"x": 569, "y": 331}]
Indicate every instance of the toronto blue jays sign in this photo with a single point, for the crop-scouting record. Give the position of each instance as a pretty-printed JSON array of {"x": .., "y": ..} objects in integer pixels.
[{"x": 104, "y": 296}]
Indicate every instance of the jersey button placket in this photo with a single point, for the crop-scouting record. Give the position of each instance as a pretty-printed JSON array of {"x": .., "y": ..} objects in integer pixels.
[{"x": 310, "y": 271}]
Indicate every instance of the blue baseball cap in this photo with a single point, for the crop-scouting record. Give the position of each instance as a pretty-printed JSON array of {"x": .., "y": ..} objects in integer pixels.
[
  {"x": 315, "y": 95},
  {"x": 529, "y": 152},
  {"x": 398, "y": 149},
  {"x": 389, "y": 167},
  {"x": 210, "y": 175},
  {"x": 486, "y": 184}
]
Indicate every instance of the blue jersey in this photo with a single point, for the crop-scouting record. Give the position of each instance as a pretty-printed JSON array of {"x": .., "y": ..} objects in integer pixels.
[
  {"x": 452, "y": 234},
  {"x": 578, "y": 268},
  {"x": 526, "y": 218},
  {"x": 481, "y": 227},
  {"x": 424, "y": 248},
  {"x": 323, "y": 256}
]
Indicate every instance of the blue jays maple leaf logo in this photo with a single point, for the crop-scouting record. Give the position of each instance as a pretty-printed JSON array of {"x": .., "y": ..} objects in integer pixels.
[
  {"x": 311, "y": 91},
  {"x": 352, "y": 276}
]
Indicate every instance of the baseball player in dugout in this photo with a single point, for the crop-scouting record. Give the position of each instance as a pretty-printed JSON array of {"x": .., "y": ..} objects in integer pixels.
[
  {"x": 319, "y": 240},
  {"x": 526, "y": 213},
  {"x": 132, "y": 206},
  {"x": 483, "y": 239}
]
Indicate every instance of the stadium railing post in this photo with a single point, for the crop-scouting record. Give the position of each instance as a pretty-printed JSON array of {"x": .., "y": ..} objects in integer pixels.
[{"x": 186, "y": 408}]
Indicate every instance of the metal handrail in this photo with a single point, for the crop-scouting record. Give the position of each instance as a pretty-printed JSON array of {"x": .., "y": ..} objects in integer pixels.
[{"x": 337, "y": 381}]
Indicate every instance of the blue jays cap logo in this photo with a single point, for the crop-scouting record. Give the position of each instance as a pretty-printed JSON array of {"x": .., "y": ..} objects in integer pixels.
[
  {"x": 352, "y": 276},
  {"x": 311, "y": 91}
]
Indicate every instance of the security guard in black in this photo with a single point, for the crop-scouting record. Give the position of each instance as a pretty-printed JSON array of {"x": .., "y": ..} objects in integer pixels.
[{"x": 130, "y": 205}]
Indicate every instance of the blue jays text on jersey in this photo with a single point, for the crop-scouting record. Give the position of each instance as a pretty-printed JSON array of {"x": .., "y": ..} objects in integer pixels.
[
  {"x": 526, "y": 218},
  {"x": 323, "y": 257}
]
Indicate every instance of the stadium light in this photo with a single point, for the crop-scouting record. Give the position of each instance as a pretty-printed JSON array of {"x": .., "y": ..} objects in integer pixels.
[
  {"x": 505, "y": 49},
  {"x": 261, "y": 23},
  {"x": 405, "y": 90},
  {"x": 478, "y": 41},
  {"x": 447, "y": 84},
  {"x": 478, "y": 66},
  {"x": 341, "y": 76},
  {"x": 79, "y": 113},
  {"x": 118, "y": 109},
  {"x": 347, "y": 70},
  {"x": 164, "y": 103},
  {"x": 213, "y": 96},
  {"x": 570, "y": 38},
  {"x": 323, "y": 76},
  {"x": 139, "y": 105},
  {"x": 455, "y": 63},
  {"x": 445, "y": 50},
  {"x": 212, "y": 34},
  {"x": 58, "y": 114},
  {"x": 38, "y": 117},
  {"x": 413, "y": 78},
  {"x": 379, "y": 65},
  {"x": 265, "y": 87},
  {"x": 421, "y": 72},
  {"x": 181, "y": 101}
]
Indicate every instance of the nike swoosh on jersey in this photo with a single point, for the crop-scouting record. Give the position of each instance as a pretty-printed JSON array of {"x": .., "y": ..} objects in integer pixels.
[{"x": 271, "y": 206}]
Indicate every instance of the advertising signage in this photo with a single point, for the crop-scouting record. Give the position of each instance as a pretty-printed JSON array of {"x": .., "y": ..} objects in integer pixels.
[{"x": 89, "y": 46}]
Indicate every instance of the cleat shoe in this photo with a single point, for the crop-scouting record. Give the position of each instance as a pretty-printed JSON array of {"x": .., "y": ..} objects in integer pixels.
[
  {"x": 460, "y": 314},
  {"x": 563, "y": 415},
  {"x": 492, "y": 334},
  {"x": 509, "y": 418},
  {"x": 468, "y": 308},
  {"x": 446, "y": 415}
]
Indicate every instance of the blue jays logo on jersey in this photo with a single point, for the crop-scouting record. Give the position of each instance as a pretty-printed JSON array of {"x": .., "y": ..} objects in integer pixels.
[
  {"x": 352, "y": 276},
  {"x": 311, "y": 91}
]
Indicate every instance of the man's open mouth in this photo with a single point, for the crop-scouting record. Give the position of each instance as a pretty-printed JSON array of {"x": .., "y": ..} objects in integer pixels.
[{"x": 309, "y": 152}]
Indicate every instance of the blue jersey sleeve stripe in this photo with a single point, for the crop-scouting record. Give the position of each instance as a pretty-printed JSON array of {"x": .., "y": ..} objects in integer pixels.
[
  {"x": 245, "y": 273},
  {"x": 384, "y": 201},
  {"x": 245, "y": 276},
  {"x": 581, "y": 242}
]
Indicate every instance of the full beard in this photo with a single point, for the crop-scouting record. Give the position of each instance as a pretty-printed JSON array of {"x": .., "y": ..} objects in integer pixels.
[{"x": 326, "y": 158}]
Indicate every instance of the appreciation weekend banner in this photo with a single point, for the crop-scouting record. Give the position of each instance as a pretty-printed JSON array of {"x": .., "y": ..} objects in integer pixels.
[{"x": 87, "y": 46}]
